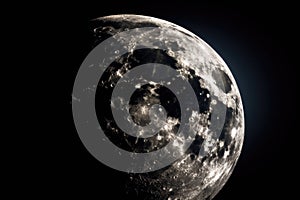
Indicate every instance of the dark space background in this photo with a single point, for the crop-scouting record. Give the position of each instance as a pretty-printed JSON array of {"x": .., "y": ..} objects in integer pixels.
[{"x": 255, "y": 41}]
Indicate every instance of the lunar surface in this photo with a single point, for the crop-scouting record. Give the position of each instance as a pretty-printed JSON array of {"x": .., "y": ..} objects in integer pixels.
[{"x": 162, "y": 111}]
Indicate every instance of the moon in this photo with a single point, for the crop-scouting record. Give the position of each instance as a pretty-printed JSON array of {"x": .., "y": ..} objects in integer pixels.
[{"x": 186, "y": 106}]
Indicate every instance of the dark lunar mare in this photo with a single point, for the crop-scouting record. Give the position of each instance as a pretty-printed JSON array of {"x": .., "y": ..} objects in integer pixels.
[{"x": 165, "y": 97}]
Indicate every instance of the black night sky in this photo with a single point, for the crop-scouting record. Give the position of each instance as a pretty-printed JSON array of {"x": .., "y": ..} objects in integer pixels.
[{"x": 254, "y": 40}]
